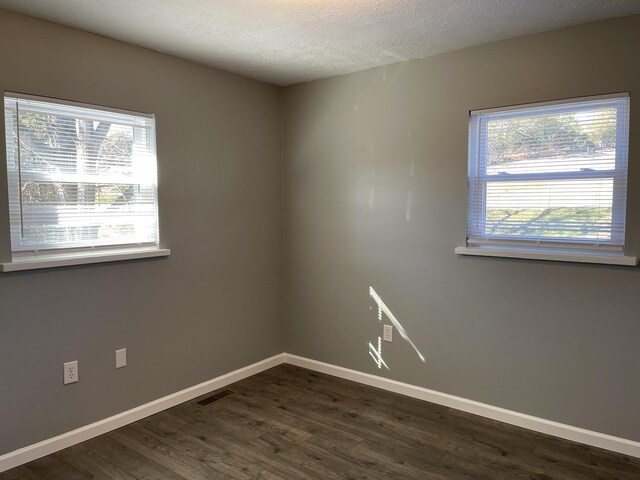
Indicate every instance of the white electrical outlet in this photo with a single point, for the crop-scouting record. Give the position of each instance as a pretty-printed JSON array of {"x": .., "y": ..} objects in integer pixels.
[
  {"x": 70, "y": 372},
  {"x": 387, "y": 333},
  {"x": 121, "y": 358}
]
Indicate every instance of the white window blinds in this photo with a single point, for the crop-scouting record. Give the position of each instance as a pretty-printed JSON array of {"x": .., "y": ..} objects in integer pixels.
[
  {"x": 80, "y": 177},
  {"x": 550, "y": 174}
]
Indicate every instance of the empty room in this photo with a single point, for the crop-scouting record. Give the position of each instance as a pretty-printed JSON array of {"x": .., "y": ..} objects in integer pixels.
[{"x": 320, "y": 239}]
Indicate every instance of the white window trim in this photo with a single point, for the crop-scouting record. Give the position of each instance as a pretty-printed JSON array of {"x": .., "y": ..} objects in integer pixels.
[
  {"x": 557, "y": 256},
  {"x": 32, "y": 260},
  {"x": 60, "y": 101},
  {"x": 531, "y": 249}
]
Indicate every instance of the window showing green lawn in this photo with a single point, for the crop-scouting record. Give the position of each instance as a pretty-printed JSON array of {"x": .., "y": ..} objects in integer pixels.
[{"x": 550, "y": 176}]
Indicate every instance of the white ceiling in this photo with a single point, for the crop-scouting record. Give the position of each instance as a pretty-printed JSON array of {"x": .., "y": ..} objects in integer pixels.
[{"x": 291, "y": 41}]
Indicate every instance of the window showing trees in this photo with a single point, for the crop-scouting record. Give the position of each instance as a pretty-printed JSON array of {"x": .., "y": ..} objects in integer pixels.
[
  {"x": 553, "y": 174},
  {"x": 79, "y": 176}
]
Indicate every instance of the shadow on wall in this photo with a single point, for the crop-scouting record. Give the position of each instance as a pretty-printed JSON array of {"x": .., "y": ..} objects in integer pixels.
[{"x": 376, "y": 351}]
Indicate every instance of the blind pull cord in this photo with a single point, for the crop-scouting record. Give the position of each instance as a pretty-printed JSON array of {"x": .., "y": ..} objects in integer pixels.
[{"x": 19, "y": 170}]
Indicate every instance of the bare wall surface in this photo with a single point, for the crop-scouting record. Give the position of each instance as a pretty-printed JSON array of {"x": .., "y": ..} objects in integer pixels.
[
  {"x": 213, "y": 306},
  {"x": 375, "y": 170}
]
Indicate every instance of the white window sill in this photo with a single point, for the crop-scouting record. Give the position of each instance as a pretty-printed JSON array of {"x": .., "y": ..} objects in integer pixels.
[
  {"x": 65, "y": 260},
  {"x": 579, "y": 257}
]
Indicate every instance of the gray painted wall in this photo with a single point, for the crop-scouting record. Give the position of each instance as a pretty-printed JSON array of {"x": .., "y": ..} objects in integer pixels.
[
  {"x": 554, "y": 340},
  {"x": 213, "y": 306}
]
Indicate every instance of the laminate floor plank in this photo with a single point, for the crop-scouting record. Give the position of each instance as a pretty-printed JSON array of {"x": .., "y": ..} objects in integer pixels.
[
  {"x": 289, "y": 423},
  {"x": 331, "y": 414},
  {"x": 139, "y": 466},
  {"x": 199, "y": 448},
  {"x": 267, "y": 476},
  {"x": 373, "y": 466},
  {"x": 18, "y": 473},
  {"x": 53, "y": 467},
  {"x": 230, "y": 446},
  {"x": 143, "y": 442},
  {"x": 92, "y": 463}
]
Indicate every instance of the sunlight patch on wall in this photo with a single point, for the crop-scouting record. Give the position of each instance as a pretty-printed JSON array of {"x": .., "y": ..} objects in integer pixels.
[{"x": 376, "y": 351}]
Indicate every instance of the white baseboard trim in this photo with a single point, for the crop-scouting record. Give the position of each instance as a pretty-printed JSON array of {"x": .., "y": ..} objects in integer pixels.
[
  {"x": 68, "y": 439},
  {"x": 588, "y": 437}
]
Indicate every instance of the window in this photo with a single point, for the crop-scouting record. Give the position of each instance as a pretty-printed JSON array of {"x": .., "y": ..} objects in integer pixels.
[
  {"x": 549, "y": 177},
  {"x": 82, "y": 179}
]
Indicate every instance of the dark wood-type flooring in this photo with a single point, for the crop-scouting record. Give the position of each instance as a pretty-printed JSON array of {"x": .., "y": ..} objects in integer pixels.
[{"x": 290, "y": 423}]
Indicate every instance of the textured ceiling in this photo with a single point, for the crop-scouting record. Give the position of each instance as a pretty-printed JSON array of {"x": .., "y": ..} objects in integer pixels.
[{"x": 291, "y": 41}]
